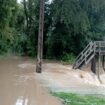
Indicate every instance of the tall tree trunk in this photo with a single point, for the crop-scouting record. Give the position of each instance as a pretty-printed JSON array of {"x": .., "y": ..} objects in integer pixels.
[
  {"x": 40, "y": 38},
  {"x": 26, "y": 14}
]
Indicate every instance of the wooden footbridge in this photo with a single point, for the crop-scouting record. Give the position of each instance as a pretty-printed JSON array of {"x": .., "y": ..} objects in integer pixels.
[{"x": 89, "y": 54}]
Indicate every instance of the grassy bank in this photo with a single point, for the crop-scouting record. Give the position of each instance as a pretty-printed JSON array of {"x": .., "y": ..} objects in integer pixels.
[{"x": 73, "y": 99}]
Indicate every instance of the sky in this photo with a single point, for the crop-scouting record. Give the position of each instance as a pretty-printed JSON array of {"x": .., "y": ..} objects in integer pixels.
[{"x": 19, "y": 1}]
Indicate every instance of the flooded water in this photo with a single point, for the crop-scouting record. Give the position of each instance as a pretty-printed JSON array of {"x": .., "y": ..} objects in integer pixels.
[
  {"x": 62, "y": 78},
  {"x": 19, "y": 85}
]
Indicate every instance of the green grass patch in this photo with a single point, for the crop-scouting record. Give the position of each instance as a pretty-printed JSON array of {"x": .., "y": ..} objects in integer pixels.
[{"x": 74, "y": 99}]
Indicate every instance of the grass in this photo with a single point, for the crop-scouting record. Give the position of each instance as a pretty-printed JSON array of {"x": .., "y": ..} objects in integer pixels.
[{"x": 73, "y": 99}]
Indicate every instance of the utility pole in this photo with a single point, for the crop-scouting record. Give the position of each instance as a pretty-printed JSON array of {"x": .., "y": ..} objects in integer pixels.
[{"x": 40, "y": 38}]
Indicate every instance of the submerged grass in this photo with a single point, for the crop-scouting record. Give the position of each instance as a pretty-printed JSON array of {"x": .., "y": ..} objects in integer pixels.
[{"x": 74, "y": 99}]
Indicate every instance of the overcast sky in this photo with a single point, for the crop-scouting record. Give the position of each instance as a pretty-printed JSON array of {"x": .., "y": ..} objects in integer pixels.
[{"x": 21, "y": 0}]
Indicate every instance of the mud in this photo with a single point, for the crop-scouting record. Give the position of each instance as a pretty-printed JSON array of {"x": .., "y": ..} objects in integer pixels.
[{"x": 19, "y": 84}]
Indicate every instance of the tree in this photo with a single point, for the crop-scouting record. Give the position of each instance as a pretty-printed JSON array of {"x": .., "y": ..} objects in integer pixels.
[
  {"x": 7, "y": 9},
  {"x": 74, "y": 24}
]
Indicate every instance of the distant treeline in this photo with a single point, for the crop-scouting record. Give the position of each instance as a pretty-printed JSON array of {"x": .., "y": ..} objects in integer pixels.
[{"x": 69, "y": 26}]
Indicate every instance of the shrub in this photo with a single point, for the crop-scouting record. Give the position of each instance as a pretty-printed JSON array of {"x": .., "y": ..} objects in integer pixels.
[{"x": 69, "y": 58}]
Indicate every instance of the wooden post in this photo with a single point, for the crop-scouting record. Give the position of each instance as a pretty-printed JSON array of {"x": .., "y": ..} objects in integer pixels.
[
  {"x": 93, "y": 62},
  {"x": 99, "y": 64},
  {"x": 99, "y": 61},
  {"x": 103, "y": 62},
  {"x": 40, "y": 39},
  {"x": 93, "y": 65}
]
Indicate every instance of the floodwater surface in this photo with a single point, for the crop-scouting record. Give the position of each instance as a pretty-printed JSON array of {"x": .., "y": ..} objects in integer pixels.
[{"x": 19, "y": 85}]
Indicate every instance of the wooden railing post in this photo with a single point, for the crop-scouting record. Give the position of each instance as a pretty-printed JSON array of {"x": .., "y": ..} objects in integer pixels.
[
  {"x": 99, "y": 64},
  {"x": 93, "y": 65}
]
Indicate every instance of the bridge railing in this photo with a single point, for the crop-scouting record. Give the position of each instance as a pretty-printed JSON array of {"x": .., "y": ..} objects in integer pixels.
[
  {"x": 85, "y": 55},
  {"x": 92, "y": 49},
  {"x": 100, "y": 47}
]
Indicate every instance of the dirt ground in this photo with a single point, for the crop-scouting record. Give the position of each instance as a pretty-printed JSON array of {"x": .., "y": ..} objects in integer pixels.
[{"x": 20, "y": 85}]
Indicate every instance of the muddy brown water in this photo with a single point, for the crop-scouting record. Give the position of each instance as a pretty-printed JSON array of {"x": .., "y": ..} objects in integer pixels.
[{"x": 19, "y": 85}]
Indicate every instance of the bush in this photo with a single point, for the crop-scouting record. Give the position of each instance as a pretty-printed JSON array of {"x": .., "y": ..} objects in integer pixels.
[{"x": 69, "y": 58}]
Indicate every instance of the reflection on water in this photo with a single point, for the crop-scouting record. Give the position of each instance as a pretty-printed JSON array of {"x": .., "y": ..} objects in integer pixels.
[{"x": 22, "y": 101}]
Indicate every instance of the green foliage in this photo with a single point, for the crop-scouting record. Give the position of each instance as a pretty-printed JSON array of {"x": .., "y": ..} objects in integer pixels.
[
  {"x": 74, "y": 24},
  {"x": 7, "y": 8},
  {"x": 69, "y": 26},
  {"x": 69, "y": 58},
  {"x": 73, "y": 99},
  {"x": 19, "y": 43}
]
